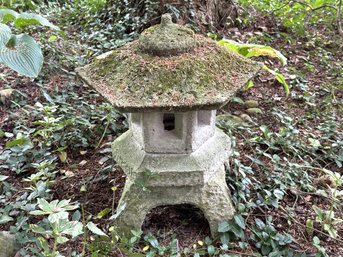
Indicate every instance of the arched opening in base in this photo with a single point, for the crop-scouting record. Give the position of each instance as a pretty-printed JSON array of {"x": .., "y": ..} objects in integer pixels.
[{"x": 184, "y": 222}]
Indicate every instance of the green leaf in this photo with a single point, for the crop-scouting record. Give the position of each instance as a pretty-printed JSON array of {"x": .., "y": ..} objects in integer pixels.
[
  {"x": 38, "y": 212},
  {"x": 103, "y": 213},
  {"x": 265, "y": 249},
  {"x": 239, "y": 221},
  {"x": 225, "y": 238},
  {"x": 3, "y": 178},
  {"x": 62, "y": 239},
  {"x": 309, "y": 227},
  {"x": 251, "y": 50},
  {"x": 316, "y": 240},
  {"x": 224, "y": 227},
  {"x": 211, "y": 250},
  {"x": 22, "y": 54},
  {"x": 279, "y": 77},
  {"x": 92, "y": 227},
  {"x": 7, "y": 15},
  {"x": 5, "y": 218},
  {"x": 332, "y": 231},
  {"x": 5, "y": 35},
  {"x": 19, "y": 141},
  {"x": 55, "y": 217},
  {"x": 278, "y": 194},
  {"x": 40, "y": 230},
  {"x": 43, "y": 244},
  {"x": 250, "y": 84},
  {"x": 44, "y": 205},
  {"x": 26, "y": 19}
]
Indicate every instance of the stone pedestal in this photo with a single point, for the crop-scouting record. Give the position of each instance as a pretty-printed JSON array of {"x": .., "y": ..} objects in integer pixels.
[{"x": 158, "y": 179}]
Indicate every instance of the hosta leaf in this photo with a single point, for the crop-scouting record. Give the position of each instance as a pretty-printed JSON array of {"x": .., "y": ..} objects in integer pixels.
[
  {"x": 5, "y": 35},
  {"x": 22, "y": 54},
  {"x": 7, "y": 15},
  {"x": 251, "y": 50},
  {"x": 26, "y": 19},
  {"x": 279, "y": 77}
]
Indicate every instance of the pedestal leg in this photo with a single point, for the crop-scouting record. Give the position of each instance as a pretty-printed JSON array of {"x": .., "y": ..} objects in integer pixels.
[{"x": 212, "y": 198}]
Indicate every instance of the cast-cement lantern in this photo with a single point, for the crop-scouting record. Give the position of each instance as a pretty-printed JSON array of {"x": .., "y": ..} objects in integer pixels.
[{"x": 171, "y": 81}]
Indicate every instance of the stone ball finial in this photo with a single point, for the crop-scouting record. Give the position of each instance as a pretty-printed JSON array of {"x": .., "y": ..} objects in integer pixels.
[
  {"x": 166, "y": 20},
  {"x": 167, "y": 38}
]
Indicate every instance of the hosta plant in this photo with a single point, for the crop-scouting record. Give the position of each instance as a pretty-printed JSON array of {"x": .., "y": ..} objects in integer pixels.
[
  {"x": 21, "y": 52},
  {"x": 253, "y": 50}
]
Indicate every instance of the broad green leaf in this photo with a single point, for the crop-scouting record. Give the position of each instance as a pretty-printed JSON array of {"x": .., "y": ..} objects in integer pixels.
[
  {"x": 76, "y": 230},
  {"x": 7, "y": 15},
  {"x": 250, "y": 84},
  {"x": 92, "y": 227},
  {"x": 239, "y": 221},
  {"x": 332, "y": 231},
  {"x": 22, "y": 54},
  {"x": 225, "y": 238},
  {"x": 43, "y": 244},
  {"x": 224, "y": 227},
  {"x": 278, "y": 194},
  {"x": 5, "y": 35},
  {"x": 211, "y": 250},
  {"x": 5, "y": 218},
  {"x": 39, "y": 212},
  {"x": 3, "y": 178},
  {"x": 103, "y": 213},
  {"x": 15, "y": 142},
  {"x": 62, "y": 239},
  {"x": 40, "y": 230},
  {"x": 279, "y": 77},
  {"x": 251, "y": 50},
  {"x": 44, "y": 205},
  {"x": 26, "y": 19},
  {"x": 55, "y": 217}
]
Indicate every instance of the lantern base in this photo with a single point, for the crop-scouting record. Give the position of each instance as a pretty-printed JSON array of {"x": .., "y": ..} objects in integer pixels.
[
  {"x": 213, "y": 199},
  {"x": 155, "y": 180}
]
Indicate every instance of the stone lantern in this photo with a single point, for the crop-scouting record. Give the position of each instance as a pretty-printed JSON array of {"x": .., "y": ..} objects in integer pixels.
[{"x": 170, "y": 82}]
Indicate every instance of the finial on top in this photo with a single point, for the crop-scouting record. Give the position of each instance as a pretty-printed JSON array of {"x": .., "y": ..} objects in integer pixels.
[
  {"x": 167, "y": 39},
  {"x": 166, "y": 20}
]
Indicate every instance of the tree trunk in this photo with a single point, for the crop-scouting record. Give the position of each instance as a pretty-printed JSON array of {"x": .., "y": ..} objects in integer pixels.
[{"x": 205, "y": 14}]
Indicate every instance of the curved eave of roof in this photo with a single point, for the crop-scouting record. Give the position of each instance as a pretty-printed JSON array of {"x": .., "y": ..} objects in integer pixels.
[{"x": 205, "y": 78}]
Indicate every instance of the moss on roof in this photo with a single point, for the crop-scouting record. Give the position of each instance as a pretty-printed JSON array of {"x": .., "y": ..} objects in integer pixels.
[
  {"x": 167, "y": 38},
  {"x": 204, "y": 78}
]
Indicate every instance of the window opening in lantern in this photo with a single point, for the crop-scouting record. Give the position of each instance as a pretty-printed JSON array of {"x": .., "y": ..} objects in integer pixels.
[{"x": 169, "y": 121}]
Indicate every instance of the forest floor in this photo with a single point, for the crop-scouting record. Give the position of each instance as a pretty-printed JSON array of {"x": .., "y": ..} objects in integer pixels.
[{"x": 289, "y": 128}]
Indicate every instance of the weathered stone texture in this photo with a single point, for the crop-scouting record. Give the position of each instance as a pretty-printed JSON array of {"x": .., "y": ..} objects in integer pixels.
[
  {"x": 8, "y": 245},
  {"x": 197, "y": 178}
]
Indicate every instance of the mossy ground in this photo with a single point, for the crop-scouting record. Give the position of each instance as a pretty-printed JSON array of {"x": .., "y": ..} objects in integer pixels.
[{"x": 203, "y": 78}]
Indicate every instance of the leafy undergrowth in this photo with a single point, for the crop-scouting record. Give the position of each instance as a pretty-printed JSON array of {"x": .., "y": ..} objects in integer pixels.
[{"x": 284, "y": 173}]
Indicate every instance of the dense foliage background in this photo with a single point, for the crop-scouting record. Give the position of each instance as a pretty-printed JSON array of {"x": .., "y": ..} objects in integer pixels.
[{"x": 285, "y": 174}]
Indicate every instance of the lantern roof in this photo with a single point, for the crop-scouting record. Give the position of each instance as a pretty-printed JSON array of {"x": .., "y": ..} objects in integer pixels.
[{"x": 169, "y": 68}]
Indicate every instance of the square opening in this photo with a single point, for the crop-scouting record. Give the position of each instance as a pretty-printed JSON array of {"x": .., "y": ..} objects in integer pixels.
[{"x": 169, "y": 121}]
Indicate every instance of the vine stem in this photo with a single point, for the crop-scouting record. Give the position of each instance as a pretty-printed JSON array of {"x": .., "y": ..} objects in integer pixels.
[{"x": 103, "y": 134}]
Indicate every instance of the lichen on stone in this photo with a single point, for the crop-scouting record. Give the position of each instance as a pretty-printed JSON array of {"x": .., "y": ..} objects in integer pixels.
[
  {"x": 167, "y": 39},
  {"x": 204, "y": 78}
]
